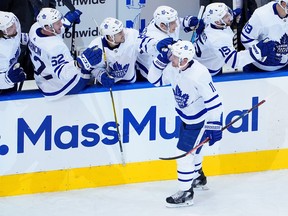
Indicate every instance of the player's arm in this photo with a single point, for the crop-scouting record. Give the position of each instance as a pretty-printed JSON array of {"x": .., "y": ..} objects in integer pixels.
[{"x": 156, "y": 74}]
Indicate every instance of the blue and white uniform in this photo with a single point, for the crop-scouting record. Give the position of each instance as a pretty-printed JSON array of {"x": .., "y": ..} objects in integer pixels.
[
  {"x": 266, "y": 23},
  {"x": 120, "y": 59},
  {"x": 55, "y": 72},
  {"x": 9, "y": 54},
  {"x": 214, "y": 48},
  {"x": 196, "y": 102}
]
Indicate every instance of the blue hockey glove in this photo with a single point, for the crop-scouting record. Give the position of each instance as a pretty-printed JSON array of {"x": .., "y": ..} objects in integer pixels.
[
  {"x": 72, "y": 17},
  {"x": 213, "y": 130},
  {"x": 273, "y": 59},
  {"x": 266, "y": 47},
  {"x": 237, "y": 12},
  {"x": 90, "y": 57},
  {"x": 15, "y": 74},
  {"x": 162, "y": 60},
  {"x": 164, "y": 43},
  {"x": 107, "y": 81}
]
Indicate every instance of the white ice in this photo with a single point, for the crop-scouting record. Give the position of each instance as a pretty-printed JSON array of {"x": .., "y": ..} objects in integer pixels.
[{"x": 251, "y": 194}]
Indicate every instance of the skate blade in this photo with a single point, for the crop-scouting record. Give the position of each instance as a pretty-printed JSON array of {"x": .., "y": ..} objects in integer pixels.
[
  {"x": 201, "y": 187},
  {"x": 179, "y": 205}
]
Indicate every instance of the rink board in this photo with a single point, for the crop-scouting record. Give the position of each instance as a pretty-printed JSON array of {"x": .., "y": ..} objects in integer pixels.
[{"x": 72, "y": 143}]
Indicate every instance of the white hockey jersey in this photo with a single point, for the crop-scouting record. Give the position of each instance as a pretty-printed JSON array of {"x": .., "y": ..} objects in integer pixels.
[
  {"x": 9, "y": 54},
  {"x": 55, "y": 73},
  {"x": 121, "y": 60},
  {"x": 265, "y": 23},
  {"x": 214, "y": 48},
  {"x": 196, "y": 98},
  {"x": 151, "y": 35}
]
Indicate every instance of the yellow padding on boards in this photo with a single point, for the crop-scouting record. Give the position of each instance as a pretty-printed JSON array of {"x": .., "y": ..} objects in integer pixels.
[{"x": 90, "y": 177}]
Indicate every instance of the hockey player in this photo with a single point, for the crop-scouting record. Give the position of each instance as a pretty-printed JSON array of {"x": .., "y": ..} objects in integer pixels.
[
  {"x": 198, "y": 105},
  {"x": 56, "y": 73},
  {"x": 164, "y": 28},
  {"x": 120, "y": 47},
  {"x": 268, "y": 21},
  {"x": 10, "y": 35},
  {"x": 214, "y": 47}
]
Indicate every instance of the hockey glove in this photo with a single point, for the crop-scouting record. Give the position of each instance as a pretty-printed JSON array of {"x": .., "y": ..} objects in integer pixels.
[
  {"x": 15, "y": 74},
  {"x": 162, "y": 60},
  {"x": 266, "y": 47},
  {"x": 106, "y": 80},
  {"x": 72, "y": 17},
  {"x": 164, "y": 44},
  {"x": 237, "y": 12},
  {"x": 213, "y": 130},
  {"x": 200, "y": 28},
  {"x": 90, "y": 57}
]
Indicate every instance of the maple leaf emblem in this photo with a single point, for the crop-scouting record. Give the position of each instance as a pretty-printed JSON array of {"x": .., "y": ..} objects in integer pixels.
[
  {"x": 118, "y": 71},
  {"x": 180, "y": 98}
]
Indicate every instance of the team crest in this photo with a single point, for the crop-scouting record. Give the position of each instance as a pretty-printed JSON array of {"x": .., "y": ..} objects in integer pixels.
[
  {"x": 282, "y": 47},
  {"x": 118, "y": 70},
  {"x": 180, "y": 98}
]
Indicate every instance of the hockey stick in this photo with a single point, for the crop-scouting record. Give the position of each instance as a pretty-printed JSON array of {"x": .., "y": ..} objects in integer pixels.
[
  {"x": 224, "y": 128},
  {"x": 71, "y": 7},
  {"x": 113, "y": 103},
  {"x": 200, "y": 14}
]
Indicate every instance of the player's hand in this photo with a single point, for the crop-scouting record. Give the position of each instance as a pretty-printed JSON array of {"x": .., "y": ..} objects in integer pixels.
[
  {"x": 213, "y": 130},
  {"x": 107, "y": 80},
  {"x": 162, "y": 60},
  {"x": 267, "y": 47},
  {"x": 163, "y": 44},
  {"x": 73, "y": 16},
  {"x": 90, "y": 57},
  {"x": 15, "y": 74}
]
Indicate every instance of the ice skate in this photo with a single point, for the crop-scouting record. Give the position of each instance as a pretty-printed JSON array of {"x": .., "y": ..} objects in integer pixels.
[
  {"x": 201, "y": 181},
  {"x": 180, "y": 199}
]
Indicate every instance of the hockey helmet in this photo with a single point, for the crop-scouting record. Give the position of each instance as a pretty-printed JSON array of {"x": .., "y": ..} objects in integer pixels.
[
  {"x": 165, "y": 14},
  {"x": 183, "y": 49},
  {"x": 6, "y": 20},
  {"x": 48, "y": 16},
  {"x": 215, "y": 12},
  {"x": 110, "y": 26}
]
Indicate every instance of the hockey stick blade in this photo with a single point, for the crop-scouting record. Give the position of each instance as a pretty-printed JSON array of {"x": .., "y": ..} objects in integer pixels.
[{"x": 224, "y": 128}]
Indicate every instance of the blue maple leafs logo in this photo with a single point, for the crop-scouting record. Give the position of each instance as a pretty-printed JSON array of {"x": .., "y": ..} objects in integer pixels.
[
  {"x": 180, "y": 98},
  {"x": 118, "y": 71},
  {"x": 282, "y": 47}
]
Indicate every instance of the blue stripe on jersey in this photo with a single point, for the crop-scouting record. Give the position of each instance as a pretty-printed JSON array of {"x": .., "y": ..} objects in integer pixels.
[
  {"x": 214, "y": 107},
  {"x": 59, "y": 68},
  {"x": 146, "y": 42},
  {"x": 211, "y": 99},
  {"x": 248, "y": 39},
  {"x": 192, "y": 117},
  {"x": 142, "y": 67},
  {"x": 229, "y": 56},
  {"x": 62, "y": 89}
]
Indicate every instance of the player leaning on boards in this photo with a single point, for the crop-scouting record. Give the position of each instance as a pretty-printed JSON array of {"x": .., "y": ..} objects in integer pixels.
[
  {"x": 120, "y": 47},
  {"x": 164, "y": 27},
  {"x": 10, "y": 36},
  {"x": 214, "y": 47},
  {"x": 269, "y": 21},
  {"x": 56, "y": 73},
  {"x": 198, "y": 105}
]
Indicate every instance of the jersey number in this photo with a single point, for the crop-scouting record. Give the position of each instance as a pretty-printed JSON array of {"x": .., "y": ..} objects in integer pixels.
[{"x": 42, "y": 66}]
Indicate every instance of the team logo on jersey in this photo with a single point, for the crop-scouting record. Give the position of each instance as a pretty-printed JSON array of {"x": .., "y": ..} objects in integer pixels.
[
  {"x": 180, "y": 98},
  {"x": 282, "y": 47},
  {"x": 118, "y": 70}
]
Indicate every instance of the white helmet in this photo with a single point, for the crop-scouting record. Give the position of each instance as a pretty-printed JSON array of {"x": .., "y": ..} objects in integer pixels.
[
  {"x": 215, "y": 12},
  {"x": 165, "y": 14},
  {"x": 111, "y": 26},
  {"x": 48, "y": 16},
  {"x": 285, "y": 9},
  {"x": 7, "y": 19},
  {"x": 183, "y": 49}
]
